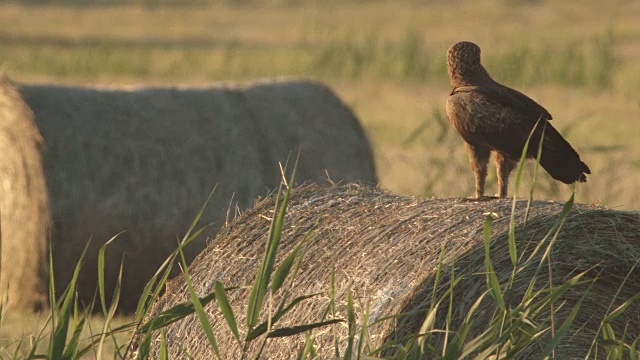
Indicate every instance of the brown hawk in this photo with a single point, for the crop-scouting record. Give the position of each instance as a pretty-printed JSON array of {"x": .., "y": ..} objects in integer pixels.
[{"x": 492, "y": 117}]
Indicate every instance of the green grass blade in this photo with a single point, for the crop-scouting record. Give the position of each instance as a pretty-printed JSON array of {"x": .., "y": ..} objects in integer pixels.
[
  {"x": 562, "y": 330},
  {"x": 225, "y": 308},
  {"x": 111, "y": 312},
  {"x": 263, "y": 328},
  {"x": 512, "y": 236},
  {"x": 127, "y": 328},
  {"x": 620, "y": 309},
  {"x": 613, "y": 315},
  {"x": 256, "y": 296},
  {"x": 260, "y": 285},
  {"x": 401, "y": 353},
  {"x": 154, "y": 287},
  {"x": 145, "y": 347},
  {"x": 559, "y": 291},
  {"x": 364, "y": 335},
  {"x": 534, "y": 177},
  {"x": 101, "y": 267},
  {"x": 150, "y": 292},
  {"x": 454, "y": 349},
  {"x": 52, "y": 287},
  {"x": 427, "y": 326},
  {"x": 609, "y": 341},
  {"x": 511, "y": 241},
  {"x": 331, "y": 308},
  {"x": 18, "y": 348},
  {"x": 294, "y": 330},
  {"x": 282, "y": 271},
  {"x": 308, "y": 351},
  {"x": 429, "y": 321},
  {"x": 60, "y": 331},
  {"x": 555, "y": 229},
  {"x": 436, "y": 282},
  {"x": 449, "y": 311},
  {"x": 173, "y": 314},
  {"x": 164, "y": 351},
  {"x": 351, "y": 323},
  {"x": 523, "y": 158},
  {"x": 301, "y": 250},
  {"x": 199, "y": 309},
  {"x": 166, "y": 267},
  {"x": 199, "y": 214},
  {"x": 202, "y": 317},
  {"x": 492, "y": 280},
  {"x": 480, "y": 342},
  {"x": 72, "y": 347},
  {"x": 553, "y": 234}
]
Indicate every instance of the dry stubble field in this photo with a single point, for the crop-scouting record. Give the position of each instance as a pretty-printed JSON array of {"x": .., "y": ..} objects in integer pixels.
[{"x": 385, "y": 58}]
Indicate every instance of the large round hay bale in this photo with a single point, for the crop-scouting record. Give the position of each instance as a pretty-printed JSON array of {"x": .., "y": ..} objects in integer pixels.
[
  {"x": 143, "y": 161},
  {"x": 386, "y": 248},
  {"x": 24, "y": 211}
]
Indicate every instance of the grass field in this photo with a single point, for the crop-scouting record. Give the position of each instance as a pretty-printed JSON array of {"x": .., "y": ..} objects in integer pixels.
[
  {"x": 21, "y": 332},
  {"x": 385, "y": 58}
]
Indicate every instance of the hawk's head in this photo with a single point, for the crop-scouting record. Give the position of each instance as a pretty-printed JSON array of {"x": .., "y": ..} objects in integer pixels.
[{"x": 463, "y": 63}]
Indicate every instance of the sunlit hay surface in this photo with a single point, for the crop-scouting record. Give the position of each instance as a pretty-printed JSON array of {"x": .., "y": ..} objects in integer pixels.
[
  {"x": 141, "y": 162},
  {"x": 386, "y": 248},
  {"x": 24, "y": 207}
]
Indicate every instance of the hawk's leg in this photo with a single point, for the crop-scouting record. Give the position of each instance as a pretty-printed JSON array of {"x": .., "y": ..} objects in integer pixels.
[
  {"x": 504, "y": 165},
  {"x": 479, "y": 156}
]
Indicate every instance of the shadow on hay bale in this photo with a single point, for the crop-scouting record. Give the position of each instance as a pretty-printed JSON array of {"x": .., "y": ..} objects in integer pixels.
[
  {"x": 24, "y": 208},
  {"x": 387, "y": 247},
  {"x": 143, "y": 160}
]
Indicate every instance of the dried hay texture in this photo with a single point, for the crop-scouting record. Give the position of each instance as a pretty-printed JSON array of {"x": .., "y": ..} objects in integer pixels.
[
  {"x": 24, "y": 209},
  {"x": 386, "y": 248},
  {"x": 143, "y": 161}
]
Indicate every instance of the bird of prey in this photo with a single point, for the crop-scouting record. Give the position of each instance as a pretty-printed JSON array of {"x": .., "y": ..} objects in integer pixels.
[{"x": 492, "y": 117}]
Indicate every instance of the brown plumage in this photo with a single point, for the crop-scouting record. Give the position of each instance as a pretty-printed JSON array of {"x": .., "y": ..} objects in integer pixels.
[{"x": 492, "y": 117}]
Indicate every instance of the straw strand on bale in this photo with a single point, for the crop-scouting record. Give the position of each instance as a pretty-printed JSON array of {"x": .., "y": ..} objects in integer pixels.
[
  {"x": 386, "y": 248},
  {"x": 24, "y": 211}
]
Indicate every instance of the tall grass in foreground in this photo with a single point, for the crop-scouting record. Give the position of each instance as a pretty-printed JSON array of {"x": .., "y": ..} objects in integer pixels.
[{"x": 511, "y": 328}]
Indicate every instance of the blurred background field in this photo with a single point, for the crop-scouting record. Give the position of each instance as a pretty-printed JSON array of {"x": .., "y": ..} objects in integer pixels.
[
  {"x": 21, "y": 332},
  {"x": 385, "y": 58}
]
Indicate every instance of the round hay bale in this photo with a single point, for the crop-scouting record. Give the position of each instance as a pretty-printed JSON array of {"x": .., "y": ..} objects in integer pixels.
[
  {"x": 386, "y": 248},
  {"x": 24, "y": 211},
  {"x": 143, "y": 161}
]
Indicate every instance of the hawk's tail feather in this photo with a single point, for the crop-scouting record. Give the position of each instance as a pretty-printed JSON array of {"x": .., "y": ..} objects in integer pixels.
[{"x": 559, "y": 159}]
